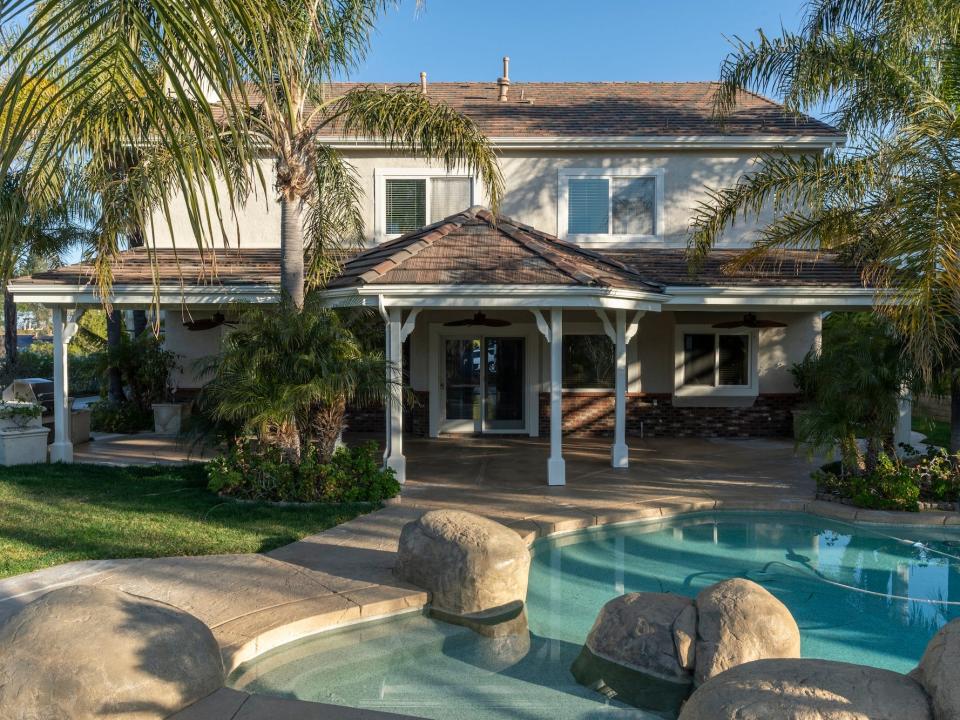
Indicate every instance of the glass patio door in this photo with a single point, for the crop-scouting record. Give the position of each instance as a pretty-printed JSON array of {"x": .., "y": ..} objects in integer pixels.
[{"x": 483, "y": 384}]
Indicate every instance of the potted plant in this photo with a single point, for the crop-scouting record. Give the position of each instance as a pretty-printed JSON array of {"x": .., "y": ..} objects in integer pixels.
[{"x": 22, "y": 437}]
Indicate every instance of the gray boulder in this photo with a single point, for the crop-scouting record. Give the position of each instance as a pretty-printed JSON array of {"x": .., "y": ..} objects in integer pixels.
[
  {"x": 739, "y": 621},
  {"x": 640, "y": 650},
  {"x": 939, "y": 671},
  {"x": 86, "y": 652},
  {"x": 807, "y": 690},
  {"x": 470, "y": 565}
]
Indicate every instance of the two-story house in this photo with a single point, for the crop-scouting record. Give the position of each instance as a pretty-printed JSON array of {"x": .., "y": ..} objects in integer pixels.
[{"x": 573, "y": 312}]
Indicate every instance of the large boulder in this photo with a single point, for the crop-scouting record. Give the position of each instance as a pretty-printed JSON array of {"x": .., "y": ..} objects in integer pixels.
[
  {"x": 640, "y": 650},
  {"x": 740, "y": 621},
  {"x": 86, "y": 652},
  {"x": 807, "y": 690},
  {"x": 469, "y": 564},
  {"x": 939, "y": 671}
]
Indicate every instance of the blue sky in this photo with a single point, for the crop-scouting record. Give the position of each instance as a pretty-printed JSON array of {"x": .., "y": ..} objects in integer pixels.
[{"x": 567, "y": 39}]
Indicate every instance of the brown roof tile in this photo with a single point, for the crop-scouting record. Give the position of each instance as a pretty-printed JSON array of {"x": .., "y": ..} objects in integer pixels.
[
  {"x": 606, "y": 109},
  {"x": 476, "y": 248}
]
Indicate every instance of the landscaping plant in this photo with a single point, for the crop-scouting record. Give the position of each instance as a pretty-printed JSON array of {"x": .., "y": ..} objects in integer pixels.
[
  {"x": 281, "y": 386},
  {"x": 852, "y": 384}
]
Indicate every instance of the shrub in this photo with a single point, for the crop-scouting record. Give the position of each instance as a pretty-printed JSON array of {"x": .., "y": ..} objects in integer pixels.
[
  {"x": 262, "y": 473},
  {"x": 124, "y": 417},
  {"x": 891, "y": 486}
]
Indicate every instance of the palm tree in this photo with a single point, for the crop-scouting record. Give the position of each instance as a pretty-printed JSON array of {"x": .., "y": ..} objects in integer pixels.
[
  {"x": 173, "y": 65},
  {"x": 294, "y": 108},
  {"x": 286, "y": 376},
  {"x": 889, "y": 72},
  {"x": 33, "y": 231}
]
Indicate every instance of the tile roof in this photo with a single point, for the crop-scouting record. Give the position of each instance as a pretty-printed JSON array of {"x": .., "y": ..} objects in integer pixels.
[
  {"x": 190, "y": 266},
  {"x": 467, "y": 249},
  {"x": 787, "y": 269},
  {"x": 607, "y": 109},
  {"x": 476, "y": 248}
]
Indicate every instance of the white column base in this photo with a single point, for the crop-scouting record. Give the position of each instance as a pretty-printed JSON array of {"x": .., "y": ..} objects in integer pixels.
[
  {"x": 61, "y": 452},
  {"x": 399, "y": 465},
  {"x": 556, "y": 471},
  {"x": 620, "y": 456}
]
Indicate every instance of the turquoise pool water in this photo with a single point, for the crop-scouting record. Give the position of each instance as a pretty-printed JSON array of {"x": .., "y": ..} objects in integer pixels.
[{"x": 866, "y": 594}]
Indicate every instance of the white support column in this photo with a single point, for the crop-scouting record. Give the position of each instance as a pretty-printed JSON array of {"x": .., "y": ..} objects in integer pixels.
[
  {"x": 394, "y": 449},
  {"x": 621, "y": 453},
  {"x": 556, "y": 468},
  {"x": 62, "y": 448}
]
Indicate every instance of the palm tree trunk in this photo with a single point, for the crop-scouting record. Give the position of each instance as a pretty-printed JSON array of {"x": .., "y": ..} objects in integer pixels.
[
  {"x": 291, "y": 249},
  {"x": 327, "y": 426},
  {"x": 115, "y": 392},
  {"x": 955, "y": 412},
  {"x": 139, "y": 316},
  {"x": 9, "y": 327}
]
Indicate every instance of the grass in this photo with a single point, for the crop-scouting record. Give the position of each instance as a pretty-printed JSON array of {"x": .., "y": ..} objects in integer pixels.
[
  {"x": 50, "y": 514},
  {"x": 937, "y": 432}
]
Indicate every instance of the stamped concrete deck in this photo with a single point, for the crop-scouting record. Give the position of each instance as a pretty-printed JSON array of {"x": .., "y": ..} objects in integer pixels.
[{"x": 254, "y": 603}]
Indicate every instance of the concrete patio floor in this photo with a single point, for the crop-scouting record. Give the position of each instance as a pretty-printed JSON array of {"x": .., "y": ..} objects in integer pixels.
[{"x": 254, "y": 603}]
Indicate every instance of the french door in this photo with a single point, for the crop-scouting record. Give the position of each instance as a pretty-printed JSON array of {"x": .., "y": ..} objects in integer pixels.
[{"x": 482, "y": 384}]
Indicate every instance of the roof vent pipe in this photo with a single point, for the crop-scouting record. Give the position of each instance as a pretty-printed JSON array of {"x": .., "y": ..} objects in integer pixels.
[
  {"x": 423, "y": 83},
  {"x": 503, "y": 83}
]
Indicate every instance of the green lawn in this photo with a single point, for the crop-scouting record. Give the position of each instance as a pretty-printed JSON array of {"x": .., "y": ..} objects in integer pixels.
[
  {"x": 937, "y": 432},
  {"x": 51, "y": 514}
]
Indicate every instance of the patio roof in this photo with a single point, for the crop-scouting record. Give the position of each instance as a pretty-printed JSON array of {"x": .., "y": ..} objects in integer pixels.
[{"x": 475, "y": 247}]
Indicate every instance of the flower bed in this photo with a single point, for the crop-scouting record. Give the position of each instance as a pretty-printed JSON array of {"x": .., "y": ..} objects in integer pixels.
[
  {"x": 914, "y": 482},
  {"x": 351, "y": 475}
]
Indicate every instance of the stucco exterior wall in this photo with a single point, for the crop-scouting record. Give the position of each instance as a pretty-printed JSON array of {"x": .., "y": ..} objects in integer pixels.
[{"x": 532, "y": 192}]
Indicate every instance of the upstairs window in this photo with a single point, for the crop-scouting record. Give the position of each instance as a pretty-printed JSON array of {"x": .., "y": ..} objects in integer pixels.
[
  {"x": 607, "y": 207},
  {"x": 410, "y": 203}
]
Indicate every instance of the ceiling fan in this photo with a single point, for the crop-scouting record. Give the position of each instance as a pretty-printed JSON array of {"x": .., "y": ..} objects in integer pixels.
[
  {"x": 478, "y": 319},
  {"x": 210, "y": 323},
  {"x": 750, "y": 321}
]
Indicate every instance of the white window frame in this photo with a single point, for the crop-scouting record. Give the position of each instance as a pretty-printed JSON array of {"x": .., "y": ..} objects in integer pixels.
[
  {"x": 609, "y": 239},
  {"x": 751, "y": 389},
  {"x": 381, "y": 175}
]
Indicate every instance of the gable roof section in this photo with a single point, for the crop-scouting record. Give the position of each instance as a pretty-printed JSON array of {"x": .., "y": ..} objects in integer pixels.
[
  {"x": 476, "y": 248},
  {"x": 607, "y": 109}
]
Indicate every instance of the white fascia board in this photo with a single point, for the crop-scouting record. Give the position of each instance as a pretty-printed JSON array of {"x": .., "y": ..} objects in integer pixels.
[
  {"x": 685, "y": 297},
  {"x": 504, "y": 296},
  {"x": 626, "y": 142},
  {"x": 145, "y": 295}
]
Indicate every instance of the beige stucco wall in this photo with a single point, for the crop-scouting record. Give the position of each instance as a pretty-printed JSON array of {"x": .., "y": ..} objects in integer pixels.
[{"x": 531, "y": 192}]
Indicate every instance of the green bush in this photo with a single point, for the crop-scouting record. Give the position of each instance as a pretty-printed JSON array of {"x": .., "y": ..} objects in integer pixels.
[
  {"x": 124, "y": 417},
  {"x": 351, "y": 475},
  {"x": 891, "y": 486}
]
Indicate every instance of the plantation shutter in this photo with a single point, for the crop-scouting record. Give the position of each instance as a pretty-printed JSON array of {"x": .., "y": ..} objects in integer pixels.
[
  {"x": 733, "y": 359},
  {"x": 588, "y": 206},
  {"x": 406, "y": 205},
  {"x": 448, "y": 196}
]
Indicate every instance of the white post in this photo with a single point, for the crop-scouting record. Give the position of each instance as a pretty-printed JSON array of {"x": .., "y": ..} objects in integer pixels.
[
  {"x": 621, "y": 453},
  {"x": 62, "y": 448},
  {"x": 556, "y": 468},
  {"x": 395, "y": 458}
]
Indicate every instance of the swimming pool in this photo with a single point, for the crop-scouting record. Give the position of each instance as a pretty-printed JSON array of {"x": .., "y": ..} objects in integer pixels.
[{"x": 866, "y": 594}]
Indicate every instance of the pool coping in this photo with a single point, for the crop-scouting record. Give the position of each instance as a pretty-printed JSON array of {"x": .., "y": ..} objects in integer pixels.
[{"x": 306, "y": 618}]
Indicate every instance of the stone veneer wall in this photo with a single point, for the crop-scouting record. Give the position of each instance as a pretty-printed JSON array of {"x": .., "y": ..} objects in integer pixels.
[
  {"x": 591, "y": 414},
  {"x": 416, "y": 419}
]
